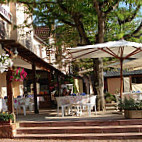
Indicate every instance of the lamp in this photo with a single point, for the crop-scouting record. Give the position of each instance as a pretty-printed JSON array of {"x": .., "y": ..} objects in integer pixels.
[{"x": 14, "y": 52}]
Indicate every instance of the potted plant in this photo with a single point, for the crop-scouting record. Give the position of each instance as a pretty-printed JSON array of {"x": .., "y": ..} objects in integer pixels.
[
  {"x": 5, "y": 62},
  {"x": 7, "y": 125},
  {"x": 19, "y": 74},
  {"x": 109, "y": 98},
  {"x": 5, "y": 117},
  {"x": 132, "y": 108}
]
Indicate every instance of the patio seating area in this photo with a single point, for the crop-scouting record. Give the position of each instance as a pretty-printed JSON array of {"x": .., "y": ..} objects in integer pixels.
[{"x": 79, "y": 102}]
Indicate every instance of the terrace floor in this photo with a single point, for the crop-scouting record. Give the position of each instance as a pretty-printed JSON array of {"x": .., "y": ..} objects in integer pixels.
[{"x": 51, "y": 115}]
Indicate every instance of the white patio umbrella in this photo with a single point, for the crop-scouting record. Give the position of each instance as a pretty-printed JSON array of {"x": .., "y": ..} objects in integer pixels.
[
  {"x": 119, "y": 49},
  {"x": 129, "y": 64}
]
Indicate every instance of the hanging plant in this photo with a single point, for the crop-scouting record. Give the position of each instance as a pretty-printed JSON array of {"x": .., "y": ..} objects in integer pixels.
[
  {"x": 19, "y": 74},
  {"x": 5, "y": 62}
]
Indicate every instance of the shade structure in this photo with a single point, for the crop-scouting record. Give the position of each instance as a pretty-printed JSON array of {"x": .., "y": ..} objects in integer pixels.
[
  {"x": 121, "y": 50},
  {"x": 129, "y": 64}
]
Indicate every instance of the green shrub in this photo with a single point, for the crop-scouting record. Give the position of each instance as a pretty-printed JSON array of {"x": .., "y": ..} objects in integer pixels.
[
  {"x": 109, "y": 98},
  {"x": 130, "y": 104},
  {"x": 6, "y": 116}
]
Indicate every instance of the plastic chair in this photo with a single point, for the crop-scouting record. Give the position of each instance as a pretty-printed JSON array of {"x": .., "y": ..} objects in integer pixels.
[
  {"x": 64, "y": 103},
  {"x": 23, "y": 103},
  {"x": 91, "y": 104}
]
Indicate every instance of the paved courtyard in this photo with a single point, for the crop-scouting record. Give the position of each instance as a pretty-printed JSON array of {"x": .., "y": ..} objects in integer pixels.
[
  {"x": 23, "y": 140},
  {"x": 51, "y": 115}
]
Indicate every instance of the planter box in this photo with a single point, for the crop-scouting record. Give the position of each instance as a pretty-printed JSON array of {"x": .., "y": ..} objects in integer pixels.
[
  {"x": 133, "y": 113},
  {"x": 7, "y": 129}
]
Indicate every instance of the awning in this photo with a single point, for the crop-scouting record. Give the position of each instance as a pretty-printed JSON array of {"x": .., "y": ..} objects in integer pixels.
[{"x": 28, "y": 56}]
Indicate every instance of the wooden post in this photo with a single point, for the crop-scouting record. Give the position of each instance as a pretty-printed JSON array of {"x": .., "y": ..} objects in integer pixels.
[
  {"x": 34, "y": 88},
  {"x": 121, "y": 77},
  {"x": 9, "y": 91},
  {"x": 49, "y": 82},
  {"x": 58, "y": 83}
]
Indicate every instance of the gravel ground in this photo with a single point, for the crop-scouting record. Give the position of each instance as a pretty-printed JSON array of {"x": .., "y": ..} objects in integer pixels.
[{"x": 23, "y": 140}]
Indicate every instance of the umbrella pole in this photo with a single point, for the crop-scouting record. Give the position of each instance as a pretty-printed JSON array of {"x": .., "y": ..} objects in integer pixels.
[{"x": 121, "y": 78}]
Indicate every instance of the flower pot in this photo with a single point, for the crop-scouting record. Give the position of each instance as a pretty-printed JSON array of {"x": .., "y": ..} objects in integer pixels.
[
  {"x": 133, "y": 114},
  {"x": 7, "y": 129}
]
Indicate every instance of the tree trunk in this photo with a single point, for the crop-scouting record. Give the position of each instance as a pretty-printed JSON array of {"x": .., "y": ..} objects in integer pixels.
[
  {"x": 98, "y": 67},
  {"x": 99, "y": 83},
  {"x": 81, "y": 31}
]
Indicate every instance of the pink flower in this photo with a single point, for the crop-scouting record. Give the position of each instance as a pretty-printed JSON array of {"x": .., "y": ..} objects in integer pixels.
[
  {"x": 22, "y": 72},
  {"x": 17, "y": 72},
  {"x": 22, "y": 77},
  {"x": 19, "y": 75},
  {"x": 11, "y": 78}
]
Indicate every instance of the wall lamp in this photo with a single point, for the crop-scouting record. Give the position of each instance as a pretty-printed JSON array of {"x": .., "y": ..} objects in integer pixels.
[{"x": 14, "y": 52}]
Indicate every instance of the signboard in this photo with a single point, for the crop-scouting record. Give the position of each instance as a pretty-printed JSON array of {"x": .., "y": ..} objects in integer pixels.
[{"x": 5, "y": 14}]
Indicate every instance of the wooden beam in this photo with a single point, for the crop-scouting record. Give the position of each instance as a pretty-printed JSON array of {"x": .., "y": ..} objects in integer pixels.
[
  {"x": 9, "y": 91},
  {"x": 34, "y": 88}
]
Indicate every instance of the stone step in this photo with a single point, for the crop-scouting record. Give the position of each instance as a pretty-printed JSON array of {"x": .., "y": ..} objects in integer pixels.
[
  {"x": 87, "y": 136},
  {"x": 111, "y": 108},
  {"x": 81, "y": 123},
  {"x": 79, "y": 130},
  {"x": 111, "y": 104}
]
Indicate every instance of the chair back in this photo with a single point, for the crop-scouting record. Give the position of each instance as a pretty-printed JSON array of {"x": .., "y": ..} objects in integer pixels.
[
  {"x": 93, "y": 99},
  {"x": 53, "y": 95},
  {"x": 16, "y": 103},
  {"x": 27, "y": 101}
]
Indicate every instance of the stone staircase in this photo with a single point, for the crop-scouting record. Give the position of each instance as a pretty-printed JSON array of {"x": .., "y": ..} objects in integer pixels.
[
  {"x": 80, "y": 130},
  {"x": 111, "y": 106}
]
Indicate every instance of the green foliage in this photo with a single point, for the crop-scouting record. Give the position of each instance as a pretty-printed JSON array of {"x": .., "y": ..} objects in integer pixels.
[
  {"x": 6, "y": 116},
  {"x": 109, "y": 98},
  {"x": 130, "y": 104},
  {"x": 74, "y": 17},
  {"x": 68, "y": 79}
]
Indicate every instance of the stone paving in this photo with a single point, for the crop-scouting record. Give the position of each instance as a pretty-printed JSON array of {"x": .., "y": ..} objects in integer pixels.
[
  {"x": 51, "y": 115},
  {"x": 23, "y": 140}
]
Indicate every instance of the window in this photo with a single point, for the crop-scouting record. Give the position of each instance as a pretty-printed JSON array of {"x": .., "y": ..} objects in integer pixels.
[{"x": 136, "y": 79}]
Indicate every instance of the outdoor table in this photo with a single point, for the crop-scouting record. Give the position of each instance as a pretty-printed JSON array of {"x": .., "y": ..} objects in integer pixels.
[{"x": 70, "y": 101}]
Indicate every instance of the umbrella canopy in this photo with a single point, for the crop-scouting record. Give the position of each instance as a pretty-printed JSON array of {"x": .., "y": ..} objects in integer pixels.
[
  {"x": 128, "y": 64},
  {"x": 118, "y": 49},
  {"x": 121, "y": 50}
]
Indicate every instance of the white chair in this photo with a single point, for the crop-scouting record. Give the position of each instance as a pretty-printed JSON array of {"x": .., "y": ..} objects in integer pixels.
[
  {"x": 3, "y": 106},
  {"x": 92, "y": 103},
  {"x": 23, "y": 103},
  {"x": 64, "y": 103},
  {"x": 16, "y": 104},
  {"x": 53, "y": 95},
  {"x": 76, "y": 101}
]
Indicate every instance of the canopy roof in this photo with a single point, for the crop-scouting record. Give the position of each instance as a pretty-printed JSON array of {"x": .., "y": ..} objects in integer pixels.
[{"x": 27, "y": 56}]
